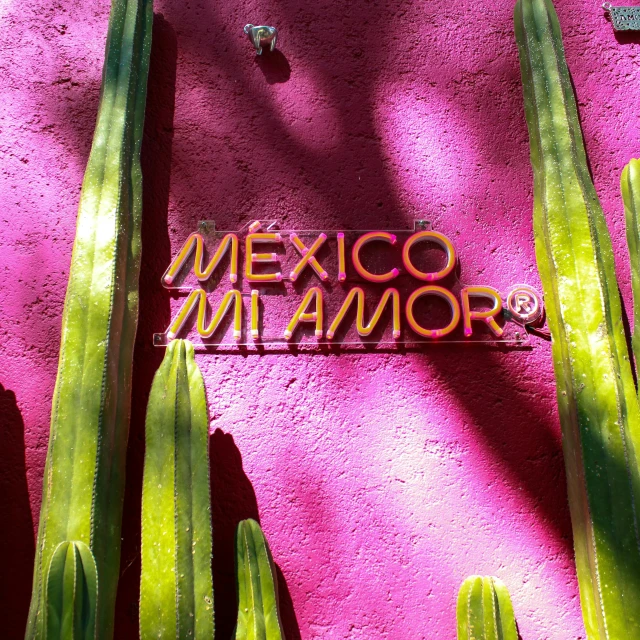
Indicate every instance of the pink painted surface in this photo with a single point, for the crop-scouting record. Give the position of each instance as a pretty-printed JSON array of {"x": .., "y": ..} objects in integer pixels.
[{"x": 381, "y": 481}]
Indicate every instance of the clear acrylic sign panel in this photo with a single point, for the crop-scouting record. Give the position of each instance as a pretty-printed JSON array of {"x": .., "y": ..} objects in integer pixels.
[{"x": 276, "y": 303}]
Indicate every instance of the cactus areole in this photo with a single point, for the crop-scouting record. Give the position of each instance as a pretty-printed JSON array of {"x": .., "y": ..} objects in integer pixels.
[{"x": 344, "y": 288}]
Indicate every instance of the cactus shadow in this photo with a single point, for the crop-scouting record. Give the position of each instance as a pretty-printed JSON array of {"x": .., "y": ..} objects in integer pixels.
[
  {"x": 154, "y": 311},
  {"x": 16, "y": 532},
  {"x": 233, "y": 499},
  {"x": 581, "y": 123},
  {"x": 628, "y": 335},
  {"x": 287, "y": 612}
]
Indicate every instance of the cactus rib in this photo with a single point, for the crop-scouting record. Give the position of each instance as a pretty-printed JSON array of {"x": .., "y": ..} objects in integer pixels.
[
  {"x": 72, "y": 593},
  {"x": 176, "y": 588},
  {"x": 630, "y": 185},
  {"x": 597, "y": 400},
  {"x": 84, "y": 474},
  {"x": 257, "y": 585},
  {"x": 484, "y": 610}
]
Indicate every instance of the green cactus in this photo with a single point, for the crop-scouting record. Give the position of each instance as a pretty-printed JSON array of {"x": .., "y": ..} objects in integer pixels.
[
  {"x": 257, "y": 585},
  {"x": 176, "y": 588},
  {"x": 71, "y": 593},
  {"x": 84, "y": 474},
  {"x": 484, "y": 610},
  {"x": 630, "y": 183},
  {"x": 597, "y": 399}
]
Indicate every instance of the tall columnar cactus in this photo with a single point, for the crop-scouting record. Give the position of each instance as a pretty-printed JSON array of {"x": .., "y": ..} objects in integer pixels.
[
  {"x": 72, "y": 593},
  {"x": 176, "y": 589},
  {"x": 84, "y": 473},
  {"x": 630, "y": 183},
  {"x": 257, "y": 585},
  {"x": 484, "y": 610},
  {"x": 597, "y": 399}
]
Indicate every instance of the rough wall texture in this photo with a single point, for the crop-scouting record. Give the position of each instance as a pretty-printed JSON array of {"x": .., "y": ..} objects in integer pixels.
[{"x": 383, "y": 480}]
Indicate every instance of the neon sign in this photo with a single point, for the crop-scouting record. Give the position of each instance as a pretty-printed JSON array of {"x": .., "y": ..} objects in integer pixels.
[{"x": 262, "y": 287}]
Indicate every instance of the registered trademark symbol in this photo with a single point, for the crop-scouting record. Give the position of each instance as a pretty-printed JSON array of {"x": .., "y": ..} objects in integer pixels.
[{"x": 524, "y": 304}]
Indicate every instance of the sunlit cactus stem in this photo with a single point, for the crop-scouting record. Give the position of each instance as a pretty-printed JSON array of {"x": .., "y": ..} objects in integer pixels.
[
  {"x": 630, "y": 183},
  {"x": 71, "y": 593},
  {"x": 176, "y": 588},
  {"x": 597, "y": 399},
  {"x": 484, "y": 610},
  {"x": 83, "y": 484},
  {"x": 257, "y": 585}
]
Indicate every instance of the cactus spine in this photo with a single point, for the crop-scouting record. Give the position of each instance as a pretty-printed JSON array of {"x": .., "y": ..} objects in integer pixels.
[
  {"x": 176, "y": 588},
  {"x": 257, "y": 585},
  {"x": 84, "y": 475},
  {"x": 630, "y": 183},
  {"x": 597, "y": 399},
  {"x": 72, "y": 593},
  {"x": 484, "y": 610}
]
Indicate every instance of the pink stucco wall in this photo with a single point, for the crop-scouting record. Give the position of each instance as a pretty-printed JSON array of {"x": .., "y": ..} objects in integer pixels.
[{"x": 381, "y": 480}]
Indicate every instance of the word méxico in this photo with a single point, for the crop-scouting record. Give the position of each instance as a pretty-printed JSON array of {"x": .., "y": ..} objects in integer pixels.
[{"x": 400, "y": 275}]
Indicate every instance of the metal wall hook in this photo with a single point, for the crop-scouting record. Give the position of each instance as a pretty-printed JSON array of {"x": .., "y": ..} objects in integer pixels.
[{"x": 262, "y": 35}]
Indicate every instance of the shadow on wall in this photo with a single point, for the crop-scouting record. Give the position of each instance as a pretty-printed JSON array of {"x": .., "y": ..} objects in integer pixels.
[
  {"x": 232, "y": 500},
  {"x": 355, "y": 176},
  {"x": 531, "y": 455},
  {"x": 628, "y": 37},
  {"x": 274, "y": 66},
  {"x": 16, "y": 529},
  {"x": 351, "y": 175},
  {"x": 513, "y": 425}
]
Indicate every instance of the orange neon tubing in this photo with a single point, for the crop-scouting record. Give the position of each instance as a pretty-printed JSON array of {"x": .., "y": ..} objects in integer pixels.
[
  {"x": 308, "y": 256},
  {"x": 486, "y": 316},
  {"x": 437, "y": 238},
  {"x": 432, "y": 289},
  {"x": 199, "y": 298},
  {"x": 342, "y": 263},
  {"x": 357, "y": 263},
  {"x": 302, "y": 315},
  {"x": 362, "y": 329},
  {"x": 251, "y": 257},
  {"x": 255, "y": 314},
  {"x": 196, "y": 240}
]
